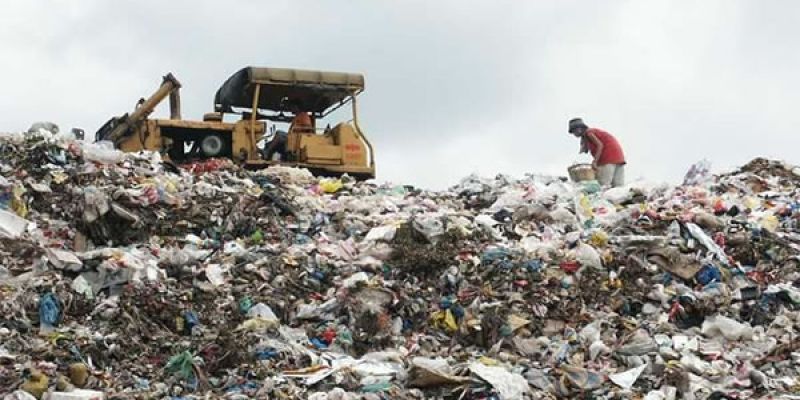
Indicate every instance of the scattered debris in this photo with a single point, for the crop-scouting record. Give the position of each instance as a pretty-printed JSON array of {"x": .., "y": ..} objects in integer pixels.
[{"x": 122, "y": 277}]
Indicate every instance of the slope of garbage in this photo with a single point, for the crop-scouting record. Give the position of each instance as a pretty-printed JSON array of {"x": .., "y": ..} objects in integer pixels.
[{"x": 124, "y": 277}]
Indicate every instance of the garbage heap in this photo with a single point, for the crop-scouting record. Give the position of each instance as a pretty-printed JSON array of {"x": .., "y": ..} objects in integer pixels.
[{"x": 126, "y": 277}]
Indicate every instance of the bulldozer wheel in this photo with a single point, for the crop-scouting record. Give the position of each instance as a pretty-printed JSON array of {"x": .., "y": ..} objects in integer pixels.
[{"x": 212, "y": 145}]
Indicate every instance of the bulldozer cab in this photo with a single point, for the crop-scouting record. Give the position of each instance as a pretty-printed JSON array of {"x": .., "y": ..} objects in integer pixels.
[{"x": 280, "y": 96}]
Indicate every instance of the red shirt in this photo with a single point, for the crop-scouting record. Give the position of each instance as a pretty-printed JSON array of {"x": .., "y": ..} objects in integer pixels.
[
  {"x": 612, "y": 151},
  {"x": 302, "y": 122}
]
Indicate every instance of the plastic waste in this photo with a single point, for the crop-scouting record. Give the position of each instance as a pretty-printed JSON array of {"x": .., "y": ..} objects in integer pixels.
[
  {"x": 432, "y": 372},
  {"x": 384, "y": 233},
  {"x": 377, "y": 387},
  {"x": 263, "y": 311},
  {"x": 638, "y": 347},
  {"x": 331, "y": 185},
  {"x": 355, "y": 279},
  {"x": 694, "y": 364},
  {"x": 697, "y": 173},
  {"x": 626, "y": 379},
  {"x": 582, "y": 378},
  {"x": 730, "y": 329},
  {"x": 790, "y": 292},
  {"x": 19, "y": 395},
  {"x": 591, "y": 332},
  {"x": 430, "y": 227},
  {"x": 598, "y": 348},
  {"x": 78, "y": 394},
  {"x": 681, "y": 343},
  {"x": 11, "y": 225},
  {"x": 151, "y": 259},
  {"x": 18, "y": 205},
  {"x": 508, "y": 385},
  {"x": 102, "y": 152},
  {"x": 708, "y": 274},
  {"x": 509, "y": 200},
  {"x": 617, "y": 195},
  {"x": 182, "y": 365},
  {"x": 708, "y": 221},
  {"x": 215, "y": 274},
  {"x": 665, "y": 393},
  {"x": 43, "y": 128},
  {"x": 598, "y": 238},
  {"x": 590, "y": 187},
  {"x": 535, "y": 246},
  {"x": 769, "y": 223},
  {"x": 707, "y": 242},
  {"x": 561, "y": 215},
  {"x": 64, "y": 260},
  {"x": 587, "y": 256},
  {"x": 49, "y": 312},
  {"x": 261, "y": 318}
]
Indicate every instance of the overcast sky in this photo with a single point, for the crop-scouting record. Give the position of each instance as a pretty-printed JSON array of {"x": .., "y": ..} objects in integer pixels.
[{"x": 453, "y": 87}]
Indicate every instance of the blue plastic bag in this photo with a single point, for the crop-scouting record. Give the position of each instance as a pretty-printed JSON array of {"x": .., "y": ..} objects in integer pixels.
[
  {"x": 191, "y": 319},
  {"x": 708, "y": 274},
  {"x": 49, "y": 311}
]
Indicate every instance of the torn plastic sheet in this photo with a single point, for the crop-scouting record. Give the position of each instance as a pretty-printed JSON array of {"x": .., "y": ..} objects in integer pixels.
[
  {"x": 509, "y": 385},
  {"x": 431, "y": 372},
  {"x": 11, "y": 225},
  {"x": 331, "y": 363},
  {"x": 215, "y": 274},
  {"x": 384, "y": 233},
  {"x": 19, "y": 395},
  {"x": 582, "y": 378},
  {"x": 78, "y": 394},
  {"x": 707, "y": 242},
  {"x": 728, "y": 328},
  {"x": 82, "y": 286},
  {"x": 64, "y": 260},
  {"x": 118, "y": 268},
  {"x": 626, "y": 379}
]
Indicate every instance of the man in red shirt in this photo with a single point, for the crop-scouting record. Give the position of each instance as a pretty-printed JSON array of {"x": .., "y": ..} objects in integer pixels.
[
  {"x": 301, "y": 122},
  {"x": 609, "y": 160}
]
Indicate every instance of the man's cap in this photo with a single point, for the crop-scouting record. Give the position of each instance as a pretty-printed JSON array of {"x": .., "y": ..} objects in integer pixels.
[{"x": 575, "y": 124}]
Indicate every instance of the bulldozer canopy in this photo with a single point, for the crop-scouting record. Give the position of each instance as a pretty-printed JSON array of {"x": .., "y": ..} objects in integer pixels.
[{"x": 312, "y": 91}]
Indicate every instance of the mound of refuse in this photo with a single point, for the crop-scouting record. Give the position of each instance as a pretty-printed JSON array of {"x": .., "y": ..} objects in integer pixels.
[{"x": 122, "y": 277}]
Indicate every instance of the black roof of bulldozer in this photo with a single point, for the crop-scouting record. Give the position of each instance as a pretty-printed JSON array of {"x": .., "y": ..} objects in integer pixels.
[{"x": 316, "y": 92}]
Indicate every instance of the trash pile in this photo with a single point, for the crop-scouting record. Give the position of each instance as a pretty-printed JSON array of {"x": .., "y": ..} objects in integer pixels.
[{"x": 126, "y": 277}]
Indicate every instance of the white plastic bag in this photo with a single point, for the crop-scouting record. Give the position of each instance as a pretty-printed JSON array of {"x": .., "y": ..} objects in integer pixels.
[
  {"x": 215, "y": 274},
  {"x": 102, "y": 152},
  {"x": 728, "y": 328},
  {"x": 263, "y": 311},
  {"x": 11, "y": 225},
  {"x": 385, "y": 233},
  {"x": 626, "y": 379},
  {"x": 535, "y": 246},
  {"x": 707, "y": 242},
  {"x": 509, "y": 385},
  {"x": 509, "y": 200},
  {"x": 618, "y": 195},
  {"x": 698, "y": 173},
  {"x": 587, "y": 256},
  {"x": 597, "y": 348},
  {"x": 44, "y": 128},
  {"x": 563, "y": 216},
  {"x": 430, "y": 227},
  {"x": 591, "y": 332},
  {"x": 353, "y": 280}
]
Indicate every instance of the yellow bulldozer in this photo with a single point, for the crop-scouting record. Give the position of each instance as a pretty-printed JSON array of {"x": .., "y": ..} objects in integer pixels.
[{"x": 250, "y": 109}]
